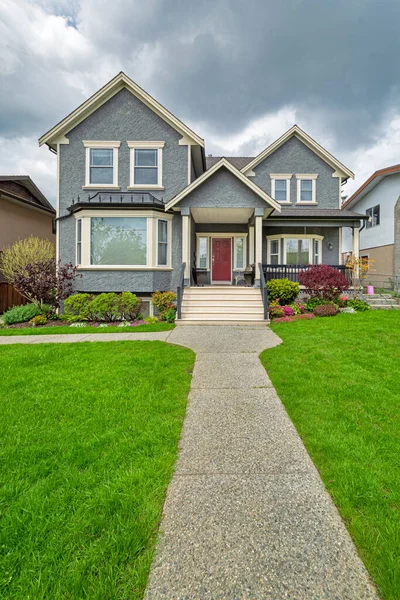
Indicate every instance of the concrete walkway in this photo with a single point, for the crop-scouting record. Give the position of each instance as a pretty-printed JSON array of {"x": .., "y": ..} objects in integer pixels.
[{"x": 246, "y": 514}]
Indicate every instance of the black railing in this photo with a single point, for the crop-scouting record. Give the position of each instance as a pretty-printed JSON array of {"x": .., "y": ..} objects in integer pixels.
[
  {"x": 179, "y": 291},
  {"x": 117, "y": 200},
  {"x": 264, "y": 291},
  {"x": 291, "y": 272}
]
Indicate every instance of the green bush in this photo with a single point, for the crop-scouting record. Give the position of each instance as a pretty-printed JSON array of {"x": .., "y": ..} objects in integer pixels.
[
  {"x": 164, "y": 301},
  {"x": 38, "y": 320},
  {"x": 151, "y": 320},
  {"x": 357, "y": 304},
  {"x": 283, "y": 290},
  {"x": 169, "y": 315},
  {"x": 130, "y": 306},
  {"x": 76, "y": 307},
  {"x": 106, "y": 307},
  {"x": 315, "y": 301},
  {"x": 21, "y": 314}
]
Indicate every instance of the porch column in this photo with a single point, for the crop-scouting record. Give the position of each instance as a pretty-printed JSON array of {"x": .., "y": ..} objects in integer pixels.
[
  {"x": 356, "y": 251},
  {"x": 185, "y": 213},
  {"x": 251, "y": 245},
  {"x": 258, "y": 217}
]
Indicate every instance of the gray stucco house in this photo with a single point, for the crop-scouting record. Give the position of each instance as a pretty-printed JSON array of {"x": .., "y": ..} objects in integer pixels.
[{"x": 140, "y": 206}]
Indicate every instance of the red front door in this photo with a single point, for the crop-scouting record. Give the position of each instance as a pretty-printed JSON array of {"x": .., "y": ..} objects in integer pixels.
[{"x": 221, "y": 259}]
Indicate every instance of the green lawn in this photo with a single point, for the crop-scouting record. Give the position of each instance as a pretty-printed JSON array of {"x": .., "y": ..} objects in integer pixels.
[
  {"x": 339, "y": 379},
  {"x": 162, "y": 326},
  {"x": 88, "y": 440}
]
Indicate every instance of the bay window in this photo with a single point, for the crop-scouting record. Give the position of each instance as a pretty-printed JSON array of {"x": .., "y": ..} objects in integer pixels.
[
  {"x": 101, "y": 164},
  {"x": 118, "y": 241},
  {"x": 288, "y": 249},
  {"x": 162, "y": 242},
  {"x": 146, "y": 165}
]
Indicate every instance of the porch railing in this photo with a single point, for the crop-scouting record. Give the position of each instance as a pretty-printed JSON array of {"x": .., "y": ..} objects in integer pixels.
[
  {"x": 179, "y": 291},
  {"x": 264, "y": 291},
  {"x": 291, "y": 272}
]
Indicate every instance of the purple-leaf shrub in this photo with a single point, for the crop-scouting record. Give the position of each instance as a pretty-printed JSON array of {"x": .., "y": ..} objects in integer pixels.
[
  {"x": 325, "y": 310},
  {"x": 323, "y": 281},
  {"x": 46, "y": 282}
]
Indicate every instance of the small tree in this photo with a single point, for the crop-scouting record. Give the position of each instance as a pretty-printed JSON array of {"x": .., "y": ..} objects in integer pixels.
[
  {"x": 15, "y": 258},
  {"x": 323, "y": 281},
  {"x": 360, "y": 267},
  {"x": 45, "y": 282}
]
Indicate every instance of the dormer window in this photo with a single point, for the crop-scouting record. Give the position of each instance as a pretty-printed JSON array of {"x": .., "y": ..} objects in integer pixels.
[
  {"x": 280, "y": 187},
  {"x": 101, "y": 164},
  {"x": 146, "y": 165}
]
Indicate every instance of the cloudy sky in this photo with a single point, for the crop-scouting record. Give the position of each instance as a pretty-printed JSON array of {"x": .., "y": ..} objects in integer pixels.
[{"x": 238, "y": 72}]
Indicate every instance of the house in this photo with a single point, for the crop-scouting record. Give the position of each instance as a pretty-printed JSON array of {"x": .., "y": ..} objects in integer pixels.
[
  {"x": 23, "y": 211},
  {"x": 378, "y": 198},
  {"x": 140, "y": 207}
]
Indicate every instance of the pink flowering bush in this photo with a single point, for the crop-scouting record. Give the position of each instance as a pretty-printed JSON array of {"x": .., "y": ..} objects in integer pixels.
[
  {"x": 288, "y": 311},
  {"x": 305, "y": 316}
]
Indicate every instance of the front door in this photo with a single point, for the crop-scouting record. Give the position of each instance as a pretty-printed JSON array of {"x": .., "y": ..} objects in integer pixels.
[{"x": 222, "y": 260}]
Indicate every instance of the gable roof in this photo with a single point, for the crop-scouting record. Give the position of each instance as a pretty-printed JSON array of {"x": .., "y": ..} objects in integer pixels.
[
  {"x": 297, "y": 132},
  {"x": 22, "y": 188},
  {"x": 371, "y": 182},
  {"x": 223, "y": 162},
  {"x": 109, "y": 90},
  {"x": 237, "y": 161}
]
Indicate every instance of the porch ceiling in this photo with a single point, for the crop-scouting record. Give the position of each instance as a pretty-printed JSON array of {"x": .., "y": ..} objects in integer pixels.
[{"x": 222, "y": 215}]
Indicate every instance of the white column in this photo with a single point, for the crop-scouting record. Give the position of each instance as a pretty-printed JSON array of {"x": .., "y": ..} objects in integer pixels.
[
  {"x": 251, "y": 245},
  {"x": 356, "y": 250},
  {"x": 186, "y": 244},
  {"x": 258, "y": 246}
]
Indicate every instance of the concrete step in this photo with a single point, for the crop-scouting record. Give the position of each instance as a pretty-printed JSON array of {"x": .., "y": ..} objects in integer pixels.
[
  {"x": 231, "y": 303},
  {"x": 221, "y": 310},
  {"x": 377, "y": 296},
  {"x": 385, "y": 306},
  {"x": 217, "y": 316},
  {"x": 220, "y": 297},
  {"x": 225, "y": 323},
  {"x": 373, "y": 301},
  {"x": 248, "y": 292}
]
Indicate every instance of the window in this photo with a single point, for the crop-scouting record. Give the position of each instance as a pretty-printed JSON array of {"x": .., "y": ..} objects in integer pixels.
[
  {"x": 274, "y": 252},
  {"x": 306, "y": 189},
  {"x": 239, "y": 253},
  {"x": 297, "y": 251},
  {"x": 294, "y": 250},
  {"x": 118, "y": 241},
  {"x": 375, "y": 215},
  {"x": 101, "y": 164},
  {"x": 162, "y": 242},
  {"x": 146, "y": 164},
  {"x": 202, "y": 261},
  {"x": 280, "y": 187},
  {"x": 79, "y": 241}
]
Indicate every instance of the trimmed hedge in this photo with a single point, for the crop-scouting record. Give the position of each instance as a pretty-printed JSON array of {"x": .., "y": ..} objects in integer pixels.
[{"x": 283, "y": 290}]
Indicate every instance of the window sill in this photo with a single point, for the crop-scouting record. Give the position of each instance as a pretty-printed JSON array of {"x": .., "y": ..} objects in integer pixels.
[
  {"x": 120, "y": 268},
  {"x": 284, "y": 202},
  {"x": 306, "y": 203},
  {"x": 146, "y": 187},
  {"x": 100, "y": 187}
]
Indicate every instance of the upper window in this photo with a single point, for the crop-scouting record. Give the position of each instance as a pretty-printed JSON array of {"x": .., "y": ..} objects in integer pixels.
[
  {"x": 118, "y": 241},
  {"x": 306, "y": 189},
  {"x": 280, "y": 188},
  {"x": 146, "y": 164},
  {"x": 101, "y": 164},
  {"x": 375, "y": 214}
]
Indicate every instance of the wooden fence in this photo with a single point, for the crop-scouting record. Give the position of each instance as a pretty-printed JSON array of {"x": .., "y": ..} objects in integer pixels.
[{"x": 9, "y": 297}]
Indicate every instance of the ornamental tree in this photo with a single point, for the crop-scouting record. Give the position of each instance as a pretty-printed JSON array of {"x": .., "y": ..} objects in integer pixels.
[
  {"x": 30, "y": 250},
  {"x": 323, "y": 281},
  {"x": 45, "y": 282}
]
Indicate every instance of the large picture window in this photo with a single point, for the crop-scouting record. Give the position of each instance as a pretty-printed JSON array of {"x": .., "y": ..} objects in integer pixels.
[
  {"x": 118, "y": 241},
  {"x": 294, "y": 250}
]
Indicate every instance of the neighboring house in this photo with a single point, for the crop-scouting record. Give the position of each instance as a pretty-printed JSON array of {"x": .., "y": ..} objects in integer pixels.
[
  {"x": 380, "y": 238},
  {"x": 23, "y": 211},
  {"x": 137, "y": 198}
]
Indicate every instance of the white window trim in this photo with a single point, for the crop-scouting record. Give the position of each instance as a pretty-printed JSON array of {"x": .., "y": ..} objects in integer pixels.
[
  {"x": 151, "y": 254},
  {"x": 111, "y": 145},
  {"x": 221, "y": 235},
  {"x": 78, "y": 220},
  {"x": 285, "y": 177},
  {"x": 169, "y": 244},
  {"x": 151, "y": 307},
  {"x": 145, "y": 145},
  {"x": 313, "y": 177},
  {"x": 297, "y": 236}
]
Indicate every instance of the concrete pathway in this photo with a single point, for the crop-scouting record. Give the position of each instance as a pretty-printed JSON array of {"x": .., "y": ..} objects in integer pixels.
[{"x": 246, "y": 514}]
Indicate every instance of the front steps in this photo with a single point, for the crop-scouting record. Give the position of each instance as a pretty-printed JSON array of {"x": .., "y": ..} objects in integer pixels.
[
  {"x": 382, "y": 301},
  {"x": 222, "y": 305}
]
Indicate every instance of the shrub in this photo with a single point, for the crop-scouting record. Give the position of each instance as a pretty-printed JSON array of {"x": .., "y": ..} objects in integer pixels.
[
  {"x": 38, "y": 320},
  {"x": 325, "y": 310},
  {"x": 288, "y": 311},
  {"x": 25, "y": 252},
  {"x": 78, "y": 305},
  {"x": 130, "y": 306},
  {"x": 106, "y": 307},
  {"x": 151, "y": 320},
  {"x": 323, "y": 281},
  {"x": 358, "y": 305},
  {"x": 305, "y": 316},
  {"x": 283, "y": 290},
  {"x": 21, "y": 314},
  {"x": 275, "y": 310},
  {"x": 169, "y": 315},
  {"x": 298, "y": 308},
  {"x": 315, "y": 301},
  {"x": 163, "y": 301}
]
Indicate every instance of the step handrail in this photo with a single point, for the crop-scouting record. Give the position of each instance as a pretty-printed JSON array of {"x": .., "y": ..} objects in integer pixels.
[
  {"x": 179, "y": 291},
  {"x": 264, "y": 291}
]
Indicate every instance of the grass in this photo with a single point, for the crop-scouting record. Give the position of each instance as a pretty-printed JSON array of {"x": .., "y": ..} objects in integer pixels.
[
  {"x": 89, "y": 436},
  {"x": 339, "y": 379},
  {"x": 162, "y": 326}
]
